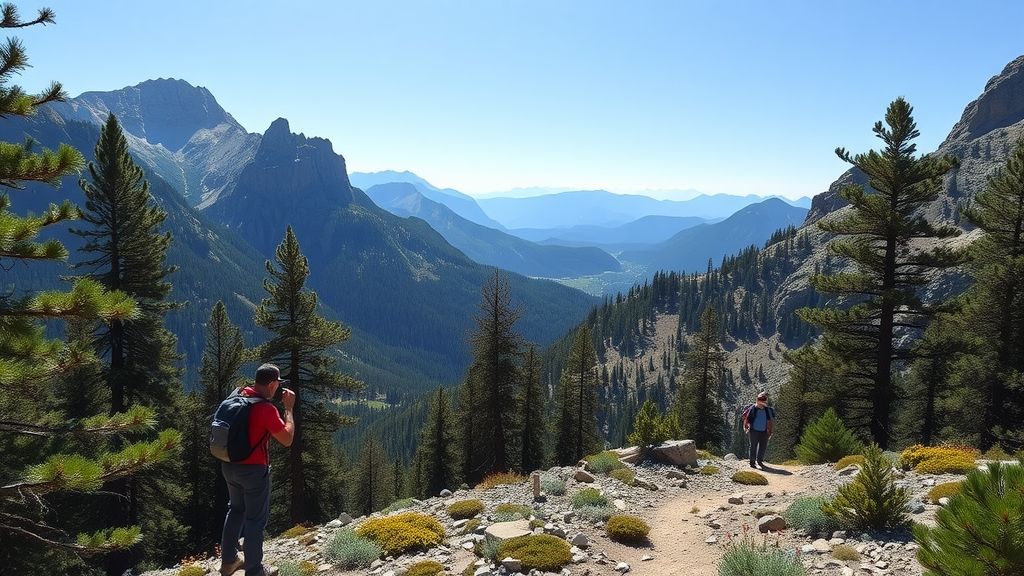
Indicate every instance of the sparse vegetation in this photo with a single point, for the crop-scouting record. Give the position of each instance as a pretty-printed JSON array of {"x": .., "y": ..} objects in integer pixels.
[
  {"x": 293, "y": 568},
  {"x": 499, "y": 479},
  {"x": 827, "y": 440},
  {"x": 425, "y": 568},
  {"x": 552, "y": 486},
  {"x": 399, "y": 505},
  {"x": 806, "y": 513},
  {"x": 405, "y": 532},
  {"x": 537, "y": 552},
  {"x": 750, "y": 478},
  {"x": 192, "y": 570},
  {"x": 944, "y": 490},
  {"x": 872, "y": 501},
  {"x": 627, "y": 529},
  {"x": 950, "y": 459},
  {"x": 709, "y": 470},
  {"x": 624, "y": 475},
  {"x": 845, "y": 552},
  {"x": 295, "y": 531},
  {"x": 852, "y": 459},
  {"x": 745, "y": 558},
  {"x": 349, "y": 550},
  {"x": 508, "y": 511},
  {"x": 595, "y": 512}
]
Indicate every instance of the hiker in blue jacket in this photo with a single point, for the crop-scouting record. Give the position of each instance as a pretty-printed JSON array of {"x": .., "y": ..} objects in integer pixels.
[{"x": 757, "y": 423}]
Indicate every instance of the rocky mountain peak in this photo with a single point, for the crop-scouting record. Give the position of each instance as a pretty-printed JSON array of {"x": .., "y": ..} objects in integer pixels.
[{"x": 998, "y": 106}]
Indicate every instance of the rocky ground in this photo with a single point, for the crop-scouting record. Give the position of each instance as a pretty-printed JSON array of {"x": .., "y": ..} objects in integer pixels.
[{"x": 691, "y": 516}]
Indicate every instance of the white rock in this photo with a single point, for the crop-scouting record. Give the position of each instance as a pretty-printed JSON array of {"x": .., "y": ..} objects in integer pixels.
[{"x": 622, "y": 568}]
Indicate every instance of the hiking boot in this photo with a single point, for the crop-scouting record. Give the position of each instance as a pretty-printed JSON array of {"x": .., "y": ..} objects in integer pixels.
[{"x": 229, "y": 568}]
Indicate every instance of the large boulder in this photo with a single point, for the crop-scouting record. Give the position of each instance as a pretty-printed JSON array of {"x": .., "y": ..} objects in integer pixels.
[{"x": 680, "y": 453}]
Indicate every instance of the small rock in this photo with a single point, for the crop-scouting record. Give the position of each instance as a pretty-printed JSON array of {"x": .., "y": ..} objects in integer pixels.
[
  {"x": 580, "y": 540},
  {"x": 512, "y": 565},
  {"x": 622, "y": 568},
  {"x": 646, "y": 558},
  {"x": 771, "y": 523},
  {"x": 619, "y": 504},
  {"x": 737, "y": 498},
  {"x": 445, "y": 493},
  {"x": 711, "y": 539},
  {"x": 583, "y": 476}
]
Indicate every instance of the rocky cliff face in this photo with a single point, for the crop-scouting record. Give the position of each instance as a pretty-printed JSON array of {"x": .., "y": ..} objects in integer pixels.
[{"x": 178, "y": 128}]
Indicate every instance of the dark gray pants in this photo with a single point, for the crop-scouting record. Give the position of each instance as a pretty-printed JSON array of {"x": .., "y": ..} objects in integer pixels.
[
  {"x": 248, "y": 511},
  {"x": 758, "y": 446}
]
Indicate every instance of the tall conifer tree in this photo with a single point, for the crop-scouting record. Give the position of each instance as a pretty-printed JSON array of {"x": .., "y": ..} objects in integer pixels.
[
  {"x": 302, "y": 338},
  {"x": 371, "y": 483},
  {"x": 438, "y": 458},
  {"x": 577, "y": 434},
  {"x": 697, "y": 406},
  {"x": 879, "y": 237},
  {"x": 128, "y": 253},
  {"x": 496, "y": 380},
  {"x": 534, "y": 426},
  {"x": 52, "y": 463}
]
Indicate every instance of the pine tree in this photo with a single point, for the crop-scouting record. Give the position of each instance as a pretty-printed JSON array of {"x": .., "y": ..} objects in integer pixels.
[
  {"x": 649, "y": 428},
  {"x": 810, "y": 390},
  {"x": 577, "y": 434},
  {"x": 219, "y": 373},
  {"x": 495, "y": 376},
  {"x": 299, "y": 346},
  {"x": 534, "y": 425},
  {"x": 438, "y": 457},
  {"x": 991, "y": 377},
  {"x": 697, "y": 408},
  {"x": 880, "y": 237},
  {"x": 47, "y": 456},
  {"x": 128, "y": 253},
  {"x": 827, "y": 440},
  {"x": 370, "y": 480}
]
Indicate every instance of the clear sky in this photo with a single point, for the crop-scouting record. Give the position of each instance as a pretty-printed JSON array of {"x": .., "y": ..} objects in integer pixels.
[{"x": 479, "y": 95}]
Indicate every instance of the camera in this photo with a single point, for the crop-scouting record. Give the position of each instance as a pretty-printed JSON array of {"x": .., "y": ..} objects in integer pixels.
[{"x": 280, "y": 389}]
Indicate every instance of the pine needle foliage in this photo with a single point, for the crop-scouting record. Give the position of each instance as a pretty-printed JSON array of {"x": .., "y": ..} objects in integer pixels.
[
  {"x": 827, "y": 440},
  {"x": 650, "y": 427},
  {"x": 872, "y": 501},
  {"x": 981, "y": 531}
]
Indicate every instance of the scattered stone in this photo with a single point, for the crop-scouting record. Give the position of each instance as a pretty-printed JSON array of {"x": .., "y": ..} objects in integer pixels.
[
  {"x": 512, "y": 565},
  {"x": 622, "y": 568},
  {"x": 771, "y": 523},
  {"x": 445, "y": 493},
  {"x": 679, "y": 453},
  {"x": 646, "y": 558},
  {"x": 580, "y": 540},
  {"x": 619, "y": 504},
  {"x": 737, "y": 498},
  {"x": 582, "y": 475},
  {"x": 711, "y": 539}
]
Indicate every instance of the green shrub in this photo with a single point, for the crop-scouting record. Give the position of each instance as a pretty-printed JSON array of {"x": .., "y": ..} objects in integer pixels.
[
  {"x": 827, "y": 440},
  {"x": 845, "y": 553},
  {"x": 845, "y": 461},
  {"x": 624, "y": 475},
  {"x": 293, "y": 568},
  {"x": 745, "y": 558},
  {"x": 806, "y": 513},
  {"x": 872, "y": 501},
  {"x": 749, "y": 477},
  {"x": 981, "y": 531},
  {"x": 627, "y": 529},
  {"x": 944, "y": 490},
  {"x": 537, "y": 552},
  {"x": 938, "y": 459},
  {"x": 553, "y": 486},
  {"x": 996, "y": 452},
  {"x": 192, "y": 570},
  {"x": 463, "y": 509},
  {"x": 507, "y": 512},
  {"x": 588, "y": 497},
  {"x": 408, "y": 531},
  {"x": 425, "y": 568},
  {"x": 650, "y": 427},
  {"x": 499, "y": 479},
  {"x": 350, "y": 551},
  {"x": 595, "y": 512},
  {"x": 398, "y": 505},
  {"x": 709, "y": 470},
  {"x": 604, "y": 462},
  {"x": 705, "y": 455}
]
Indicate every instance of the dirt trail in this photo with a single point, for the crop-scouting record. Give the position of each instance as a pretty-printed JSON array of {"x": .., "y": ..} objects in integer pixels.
[{"x": 680, "y": 535}]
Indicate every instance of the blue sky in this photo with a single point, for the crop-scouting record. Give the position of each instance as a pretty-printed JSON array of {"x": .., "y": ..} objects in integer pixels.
[{"x": 719, "y": 96}]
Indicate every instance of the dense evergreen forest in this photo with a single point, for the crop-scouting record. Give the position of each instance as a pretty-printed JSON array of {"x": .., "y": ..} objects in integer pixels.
[{"x": 105, "y": 463}]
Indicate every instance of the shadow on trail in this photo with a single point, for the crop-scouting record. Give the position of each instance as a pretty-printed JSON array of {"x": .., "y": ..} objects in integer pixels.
[{"x": 768, "y": 469}]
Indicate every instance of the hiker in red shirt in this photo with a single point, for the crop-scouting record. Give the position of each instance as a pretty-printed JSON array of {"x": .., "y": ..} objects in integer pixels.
[{"x": 249, "y": 480}]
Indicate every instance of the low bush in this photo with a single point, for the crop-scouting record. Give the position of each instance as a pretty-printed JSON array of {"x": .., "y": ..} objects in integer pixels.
[
  {"x": 938, "y": 459},
  {"x": 398, "y": 505},
  {"x": 295, "y": 531},
  {"x": 705, "y": 455},
  {"x": 745, "y": 558},
  {"x": 349, "y": 550},
  {"x": 553, "y": 486},
  {"x": 944, "y": 490},
  {"x": 845, "y": 461},
  {"x": 981, "y": 531},
  {"x": 507, "y": 512},
  {"x": 537, "y": 552},
  {"x": 806, "y": 513},
  {"x": 425, "y": 568},
  {"x": 604, "y": 462},
  {"x": 827, "y": 440},
  {"x": 405, "y": 532},
  {"x": 845, "y": 552},
  {"x": 872, "y": 501},
  {"x": 293, "y": 568},
  {"x": 589, "y": 497},
  {"x": 464, "y": 509},
  {"x": 750, "y": 478},
  {"x": 595, "y": 512},
  {"x": 624, "y": 475},
  {"x": 627, "y": 529},
  {"x": 501, "y": 478},
  {"x": 192, "y": 570},
  {"x": 709, "y": 470}
]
